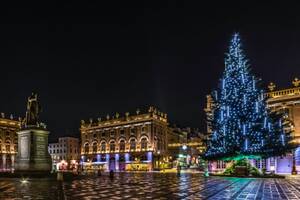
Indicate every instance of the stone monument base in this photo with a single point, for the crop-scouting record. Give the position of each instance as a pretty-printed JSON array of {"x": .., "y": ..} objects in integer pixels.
[{"x": 33, "y": 156}]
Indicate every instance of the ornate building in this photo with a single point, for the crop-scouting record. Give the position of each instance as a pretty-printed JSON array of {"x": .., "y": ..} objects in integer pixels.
[
  {"x": 185, "y": 146},
  {"x": 281, "y": 99},
  {"x": 65, "y": 153},
  {"x": 132, "y": 142},
  {"x": 289, "y": 101},
  {"x": 8, "y": 142}
]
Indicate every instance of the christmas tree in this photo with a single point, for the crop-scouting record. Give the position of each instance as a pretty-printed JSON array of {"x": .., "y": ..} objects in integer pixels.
[{"x": 241, "y": 123}]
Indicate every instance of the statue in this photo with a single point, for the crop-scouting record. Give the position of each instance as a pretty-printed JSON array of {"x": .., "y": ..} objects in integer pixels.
[
  {"x": 296, "y": 82},
  {"x": 33, "y": 156},
  {"x": 271, "y": 86},
  {"x": 33, "y": 111}
]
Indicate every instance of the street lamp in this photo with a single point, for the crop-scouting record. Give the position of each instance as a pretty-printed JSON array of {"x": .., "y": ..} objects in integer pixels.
[
  {"x": 158, "y": 152},
  {"x": 294, "y": 170},
  {"x": 24, "y": 180}
]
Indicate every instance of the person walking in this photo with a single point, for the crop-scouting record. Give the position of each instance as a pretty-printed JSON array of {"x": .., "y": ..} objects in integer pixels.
[{"x": 111, "y": 174}]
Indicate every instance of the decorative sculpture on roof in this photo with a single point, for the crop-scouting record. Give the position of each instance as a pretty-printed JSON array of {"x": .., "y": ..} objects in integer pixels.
[
  {"x": 296, "y": 82},
  {"x": 271, "y": 86}
]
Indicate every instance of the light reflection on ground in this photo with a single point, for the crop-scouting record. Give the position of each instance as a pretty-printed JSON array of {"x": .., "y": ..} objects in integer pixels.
[{"x": 152, "y": 186}]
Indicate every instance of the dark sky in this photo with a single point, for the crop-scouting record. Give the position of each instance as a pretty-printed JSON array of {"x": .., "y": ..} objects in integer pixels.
[{"x": 86, "y": 60}]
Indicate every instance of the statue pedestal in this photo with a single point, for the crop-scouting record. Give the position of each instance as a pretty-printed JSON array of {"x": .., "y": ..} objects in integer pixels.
[{"x": 33, "y": 156}]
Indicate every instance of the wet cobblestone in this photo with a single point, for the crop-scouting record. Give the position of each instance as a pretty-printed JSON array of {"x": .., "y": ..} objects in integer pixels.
[{"x": 152, "y": 186}]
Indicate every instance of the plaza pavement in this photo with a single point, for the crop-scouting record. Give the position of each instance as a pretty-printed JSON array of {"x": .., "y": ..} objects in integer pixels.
[{"x": 153, "y": 186}]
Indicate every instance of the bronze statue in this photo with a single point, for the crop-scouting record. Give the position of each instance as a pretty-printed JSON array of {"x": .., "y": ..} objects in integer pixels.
[{"x": 33, "y": 111}]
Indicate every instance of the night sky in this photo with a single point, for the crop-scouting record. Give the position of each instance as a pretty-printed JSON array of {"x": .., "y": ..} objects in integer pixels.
[{"x": 89, "y": 60}]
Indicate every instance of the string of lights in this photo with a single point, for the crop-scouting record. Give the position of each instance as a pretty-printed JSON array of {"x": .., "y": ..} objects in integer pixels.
[{"x": 241, "y": 123}]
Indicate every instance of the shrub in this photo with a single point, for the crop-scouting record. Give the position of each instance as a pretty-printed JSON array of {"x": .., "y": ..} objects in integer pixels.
[{"x": 231, "y": 170}]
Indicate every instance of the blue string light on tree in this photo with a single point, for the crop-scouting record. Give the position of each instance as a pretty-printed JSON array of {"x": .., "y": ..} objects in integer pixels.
[{"x": 240, "y": 113}]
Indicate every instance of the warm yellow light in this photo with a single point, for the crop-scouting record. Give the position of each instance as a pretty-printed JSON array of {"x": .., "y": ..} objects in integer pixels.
[{"x": 24, "y": 180}]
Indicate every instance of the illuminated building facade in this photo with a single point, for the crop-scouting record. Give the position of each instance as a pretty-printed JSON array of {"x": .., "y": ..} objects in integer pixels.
[
  {"x": 281, "y": 99},
  {"x": 65, "y": 153},
  {"x": 185, "y": 146},
  {"x": 289, "y": 101},
  {"x": 8, "y": 142},
  {"x": 130, "y": 143}
]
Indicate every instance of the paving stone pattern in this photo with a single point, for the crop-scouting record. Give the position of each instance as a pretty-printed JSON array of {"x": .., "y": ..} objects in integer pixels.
[{"x": 153, "y": 186}]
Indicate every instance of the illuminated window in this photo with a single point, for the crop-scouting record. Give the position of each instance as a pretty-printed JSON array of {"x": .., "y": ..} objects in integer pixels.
[
  {"x": 264, "y": 164},
  {"x": 103, "y": 158},
  {"x": 94, "y": 147},
  {"x": 221, "y": 164},
  {"x": 122, "y": 145},
  {"x": 257, "y": 163},
  {"x": 7, "y": 147},
  {"x": 261, "y": 163},
  {"x": 103, "y": 146},
  {"x": 86, "y": 148},
  {"x": 144, "y": 143},
  {"x": 132, "y": 144},
  {"x": 112, "y": 146}
]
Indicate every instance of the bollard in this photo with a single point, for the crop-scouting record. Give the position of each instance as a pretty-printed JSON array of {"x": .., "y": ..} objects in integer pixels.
[
  {"x": 178, "y": 170},
  {"x": 111, "y": 174}
]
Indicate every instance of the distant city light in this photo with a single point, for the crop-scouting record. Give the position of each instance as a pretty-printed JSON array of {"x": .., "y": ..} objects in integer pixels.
[{"x": 184, "y": 147}]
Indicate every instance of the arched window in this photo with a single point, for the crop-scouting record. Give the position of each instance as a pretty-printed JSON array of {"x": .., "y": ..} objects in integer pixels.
[
  {"x": 7, "y": 146},
  {"x": 95, "y": 147},
  {"x": 86, "y": 148},
  {"x": 112, "y": 146},
  {"x": 144, "y": 144},
  {"x": 103, "y": 146},
  {"x": 122, "y": 145},
  {"x": 132, "y": 144}
]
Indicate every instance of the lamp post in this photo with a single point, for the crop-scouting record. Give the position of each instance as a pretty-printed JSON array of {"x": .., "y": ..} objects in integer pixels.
[
  {"x": 158, "y": 152},
  {"x": 294, "y": 170},
  {"x": 296, "y": 142}
]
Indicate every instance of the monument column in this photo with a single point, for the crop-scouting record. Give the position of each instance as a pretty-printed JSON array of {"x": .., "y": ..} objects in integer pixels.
[{"x": 33, "y": 155}]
